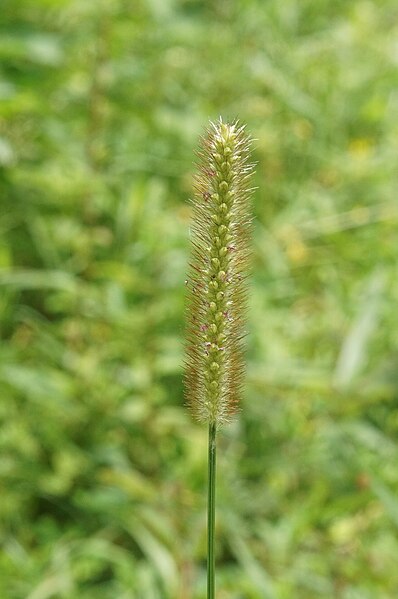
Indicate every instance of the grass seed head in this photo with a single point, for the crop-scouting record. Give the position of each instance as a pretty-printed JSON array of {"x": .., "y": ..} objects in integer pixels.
[{"x": 217, "y": 290}]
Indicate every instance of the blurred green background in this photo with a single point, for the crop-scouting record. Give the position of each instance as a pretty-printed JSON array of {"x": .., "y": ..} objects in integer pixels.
[{"x": 102, "y": 472}]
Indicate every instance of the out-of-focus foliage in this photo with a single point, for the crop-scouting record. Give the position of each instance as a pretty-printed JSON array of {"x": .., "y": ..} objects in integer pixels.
[{"x": 102, "y": 471}]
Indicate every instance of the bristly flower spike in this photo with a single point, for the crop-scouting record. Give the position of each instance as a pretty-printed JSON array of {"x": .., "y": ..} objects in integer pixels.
[{"x": 217, "y": 291}]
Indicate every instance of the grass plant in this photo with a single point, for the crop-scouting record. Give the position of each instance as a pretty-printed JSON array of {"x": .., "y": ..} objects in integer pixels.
[{"x": 217, "y": 292}]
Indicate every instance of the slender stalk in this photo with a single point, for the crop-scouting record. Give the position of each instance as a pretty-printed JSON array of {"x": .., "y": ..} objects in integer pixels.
[{"x": 211, "y": 511}]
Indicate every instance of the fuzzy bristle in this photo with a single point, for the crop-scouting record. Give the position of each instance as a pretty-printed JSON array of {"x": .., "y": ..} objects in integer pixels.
[{"x": 217, "y": 289}]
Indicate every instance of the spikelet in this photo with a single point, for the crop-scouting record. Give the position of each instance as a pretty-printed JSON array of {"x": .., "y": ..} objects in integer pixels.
[{"x": 217, "y": 290}]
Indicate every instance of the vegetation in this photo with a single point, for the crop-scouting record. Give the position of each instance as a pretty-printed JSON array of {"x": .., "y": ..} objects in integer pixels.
[{"x": 103, "y": 473}]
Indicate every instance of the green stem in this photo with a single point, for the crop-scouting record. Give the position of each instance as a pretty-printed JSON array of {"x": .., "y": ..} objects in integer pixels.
[{"x": 211, "y": 511}]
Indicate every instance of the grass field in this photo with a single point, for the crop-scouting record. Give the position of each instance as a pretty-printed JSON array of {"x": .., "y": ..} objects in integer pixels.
[{"x": 102, "y": 471}]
